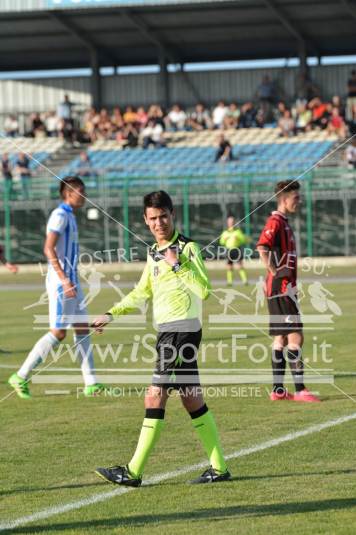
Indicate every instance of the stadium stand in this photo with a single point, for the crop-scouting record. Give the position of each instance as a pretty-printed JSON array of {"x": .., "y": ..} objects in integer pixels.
[
  {"x": 191, "y": 154},
  {"x": 39, "y": 148}
]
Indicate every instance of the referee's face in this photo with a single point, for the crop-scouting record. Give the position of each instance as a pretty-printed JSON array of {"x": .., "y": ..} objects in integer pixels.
[{"x": 160, "y": 222}]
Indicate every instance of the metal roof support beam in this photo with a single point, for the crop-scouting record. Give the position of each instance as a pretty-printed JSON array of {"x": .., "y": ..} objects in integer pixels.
[
  {"x": 171, "y": 55},
  {"x": 303, "y": 65},
  {"x": 283, "y": 19},
  {"x": 350, "y": 8},
  {"x": 303, "y": 42},
  {"x": 163, "y": 81},
  {"x": 83, "y": 38},
  {"x": 95, "y": 81}
]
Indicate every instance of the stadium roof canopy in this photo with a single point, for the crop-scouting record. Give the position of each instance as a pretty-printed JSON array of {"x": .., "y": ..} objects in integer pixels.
[{"x": 54, "y": 34}]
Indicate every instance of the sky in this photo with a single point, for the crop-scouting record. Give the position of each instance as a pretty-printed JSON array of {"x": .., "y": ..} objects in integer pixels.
[{"x": 190, "y": 67}]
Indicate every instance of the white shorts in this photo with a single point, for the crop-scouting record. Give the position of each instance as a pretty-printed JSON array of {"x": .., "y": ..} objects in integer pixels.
[{"x": 65, "y": 311}]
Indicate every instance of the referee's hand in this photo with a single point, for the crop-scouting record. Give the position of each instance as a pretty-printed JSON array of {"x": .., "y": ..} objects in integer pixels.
[
  {"x": 99, "y": 323},
  {"x": 171, "y": 256}
]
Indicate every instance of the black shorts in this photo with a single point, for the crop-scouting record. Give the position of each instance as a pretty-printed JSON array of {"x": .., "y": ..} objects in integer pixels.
[
  {"x": 234, "y": 256},
  {"x": 177, "y": 359},
  {"x": 284, "y": 316}
]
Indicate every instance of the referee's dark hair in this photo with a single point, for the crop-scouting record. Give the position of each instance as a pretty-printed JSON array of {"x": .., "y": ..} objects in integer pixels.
[
  {"x": 286, "y": 186},
  {"x": 70, "y": 182},
  {"x": 157, "y": 199}
]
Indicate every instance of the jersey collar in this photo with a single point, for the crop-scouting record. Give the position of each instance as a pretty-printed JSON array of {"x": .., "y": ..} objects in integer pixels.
[
  {"x": 66, "y": 207},
  {"x": 277, "y": 212},
  {"x": 172, "y": 240}
]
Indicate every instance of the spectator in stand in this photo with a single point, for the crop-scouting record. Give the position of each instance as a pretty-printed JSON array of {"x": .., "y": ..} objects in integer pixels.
[
  {"x": 37, "y": 126},
  {"x": 64, "y": 110},
  {"x": 128, "y": 136},
  {"x": 336, "y": 102},
  {"x": 336, "y": 124},
  {"x": 51, "y": 124},
  {"x": 279, "y": 111},
  {"x": 248, "y": 116},
  {"x": 155, "y": 112},
  {"x": 11, "y": 126},
  {"x": 351, "y": 95},
  {"x": 23, "y": 170},
  {"x": 262, "y": 115},
  {"x": 266, "y": 91},
  {"x": 65, "y": 130},
  {"x": 219, "y": 113},
  {"x": 65, "y": 120},
  {"x": 200, "y": 119},
  {"x": 89, "y": 125},
  {"x": 232, "y": 116},
  {"x": 6, "y": 171},
  {"x": 104, "y": 125},
  {"x": 224, "y": 152},
  {"x": 286, "y": 124},
  {"x": 351, "y": 123},
  {"x": 303, "y": 118},
  {"x": 152, "y": 134},
  {"x": 130, "y": 116},
  {"x": 350, "y": 155},
  {"x": 117, "y": 119},
  {"x": 142, "y": 117},
  {"x": 320, "y": 113},
  {"x": 85, "y": 168},
  {"x": 176, "y": 118}
]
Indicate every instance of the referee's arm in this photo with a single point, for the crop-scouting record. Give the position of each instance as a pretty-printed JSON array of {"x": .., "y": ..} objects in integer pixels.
[{"x": 137, "y": 297}]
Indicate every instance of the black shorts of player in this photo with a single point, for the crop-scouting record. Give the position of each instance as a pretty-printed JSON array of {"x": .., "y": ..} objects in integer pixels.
[
  {"x": 284, "y": 316},
  {"x": 234, "y": 256},
  {"x": 177, "y": 360}
]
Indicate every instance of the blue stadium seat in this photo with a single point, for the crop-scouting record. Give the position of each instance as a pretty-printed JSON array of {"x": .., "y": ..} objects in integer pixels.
[{"x": 199, "y": 161}]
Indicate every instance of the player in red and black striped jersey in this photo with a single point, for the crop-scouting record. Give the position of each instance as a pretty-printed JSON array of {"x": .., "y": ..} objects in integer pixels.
[{"x": 277, "y": 249}]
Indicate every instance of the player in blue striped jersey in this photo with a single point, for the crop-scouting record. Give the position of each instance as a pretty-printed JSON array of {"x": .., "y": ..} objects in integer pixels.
[{"x": 64, "y": 292}]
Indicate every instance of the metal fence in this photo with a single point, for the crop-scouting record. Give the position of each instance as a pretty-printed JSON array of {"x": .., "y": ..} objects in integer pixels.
[{"x": 112, "y": 218}]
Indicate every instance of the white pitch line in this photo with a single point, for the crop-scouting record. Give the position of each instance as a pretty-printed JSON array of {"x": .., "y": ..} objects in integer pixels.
[{"x": 103, "y": 496}]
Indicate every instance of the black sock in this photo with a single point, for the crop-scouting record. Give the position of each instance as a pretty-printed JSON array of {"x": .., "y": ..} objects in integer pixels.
[
  {"x": 296, "y": 367},
  {"x": 278, "y": 369}
]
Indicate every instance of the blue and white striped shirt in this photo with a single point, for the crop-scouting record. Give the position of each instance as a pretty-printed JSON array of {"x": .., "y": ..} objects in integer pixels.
[{"x": 62, "y": 221}]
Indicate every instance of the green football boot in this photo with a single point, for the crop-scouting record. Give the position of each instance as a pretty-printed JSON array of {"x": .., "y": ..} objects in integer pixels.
[
  {"x": 20, "y": 386},
  {"x": 94, "y": 390}
]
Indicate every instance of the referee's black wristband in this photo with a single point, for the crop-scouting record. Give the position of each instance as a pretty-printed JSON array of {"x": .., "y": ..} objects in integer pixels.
[{"x": 109, "y": 315}]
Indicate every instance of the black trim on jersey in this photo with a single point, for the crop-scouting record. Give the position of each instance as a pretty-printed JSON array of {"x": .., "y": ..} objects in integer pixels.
[{"x": 159, "y": 255}]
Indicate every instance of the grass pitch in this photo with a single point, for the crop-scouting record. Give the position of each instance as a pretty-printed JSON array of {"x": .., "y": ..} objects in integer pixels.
[{"x": 51, "y": 444}]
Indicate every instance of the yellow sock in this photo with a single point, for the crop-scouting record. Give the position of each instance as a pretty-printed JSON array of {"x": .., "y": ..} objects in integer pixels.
[{"x": 243, "y": 275}]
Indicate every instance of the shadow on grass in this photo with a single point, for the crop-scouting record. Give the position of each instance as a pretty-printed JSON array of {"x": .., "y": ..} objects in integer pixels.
[
  {"x": 100, "y": 483},
  {"x": 300, "y": 474},
  {"x": 276, "y": 476},
  {"x": 47, "y": 489},
  {"x": 277, "y": 509},
  {"x": 338, "y": 397}
]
